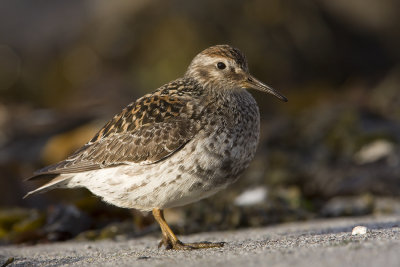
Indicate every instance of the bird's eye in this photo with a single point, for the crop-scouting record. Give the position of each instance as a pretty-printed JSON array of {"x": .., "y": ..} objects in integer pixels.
[{"x": 221, "y": 65}]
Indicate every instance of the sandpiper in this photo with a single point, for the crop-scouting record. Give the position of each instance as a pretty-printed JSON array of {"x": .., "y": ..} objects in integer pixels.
[{"x": 185, "y": 141}]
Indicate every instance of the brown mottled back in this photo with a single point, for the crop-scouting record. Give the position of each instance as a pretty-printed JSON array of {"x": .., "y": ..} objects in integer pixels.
[{"x": 146, "y": 131}]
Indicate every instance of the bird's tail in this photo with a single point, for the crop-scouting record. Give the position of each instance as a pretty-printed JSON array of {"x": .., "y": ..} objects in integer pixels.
[{"x": 57, "y": 182}]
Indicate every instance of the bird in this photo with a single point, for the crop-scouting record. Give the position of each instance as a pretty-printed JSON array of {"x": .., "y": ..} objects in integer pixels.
[{"x": 183, "y": 142}]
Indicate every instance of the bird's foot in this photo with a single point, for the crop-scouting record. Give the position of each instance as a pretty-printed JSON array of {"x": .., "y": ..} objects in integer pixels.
[
  {"x": 199, "y": 245},
  {"x": 170, "y": 241},
  {"x": 178, "y": 245}
]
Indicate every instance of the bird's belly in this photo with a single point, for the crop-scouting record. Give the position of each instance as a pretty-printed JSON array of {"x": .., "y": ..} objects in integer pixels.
[
  {"x": 204, "y": 166},
  {"x": 210, "y": 165}
]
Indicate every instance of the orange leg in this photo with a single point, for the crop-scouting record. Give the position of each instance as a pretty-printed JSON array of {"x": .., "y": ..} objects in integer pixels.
[{"x": 170, "y": 241}]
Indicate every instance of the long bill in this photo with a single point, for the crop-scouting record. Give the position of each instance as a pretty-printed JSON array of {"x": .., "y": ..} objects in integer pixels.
[{"x": 253, "y": 83}]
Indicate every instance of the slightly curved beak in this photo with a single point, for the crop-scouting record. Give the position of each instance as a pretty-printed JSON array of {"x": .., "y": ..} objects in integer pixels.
[{"x": 253, "y": 83}]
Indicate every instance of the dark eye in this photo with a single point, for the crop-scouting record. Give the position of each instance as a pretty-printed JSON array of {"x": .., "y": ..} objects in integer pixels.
[{"x": 221, "y": 65}]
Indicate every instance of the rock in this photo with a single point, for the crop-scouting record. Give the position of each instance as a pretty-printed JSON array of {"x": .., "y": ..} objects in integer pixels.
[
  {"x": 348, "y": 206},
  {"x": 359, "y": 230},
  {"x": 66, "y": 221},
  {"x": 300, "y": 244},
  {"x": 387, "y": 205},
  {"x": 251, "y": 196},
  {"x": 374, "y": 151},
  {"x": 9, "y": 217}
]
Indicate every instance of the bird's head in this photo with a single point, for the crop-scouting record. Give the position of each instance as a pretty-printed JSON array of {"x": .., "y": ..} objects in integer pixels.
[{"x": 223, "y": 67}]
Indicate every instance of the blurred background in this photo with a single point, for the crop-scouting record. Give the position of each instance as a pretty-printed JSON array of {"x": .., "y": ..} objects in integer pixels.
[{"x": 66, "y": 67}]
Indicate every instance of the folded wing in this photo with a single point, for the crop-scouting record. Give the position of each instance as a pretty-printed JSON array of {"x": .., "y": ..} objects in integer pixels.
[{"x": 146, "y": 131}]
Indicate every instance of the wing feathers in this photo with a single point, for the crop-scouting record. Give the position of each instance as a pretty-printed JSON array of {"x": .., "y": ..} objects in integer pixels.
[{"x": 145, "y": 132}]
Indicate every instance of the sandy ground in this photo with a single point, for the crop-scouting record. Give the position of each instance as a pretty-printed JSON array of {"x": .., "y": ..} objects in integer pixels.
[{"x": 315, "y": 243}]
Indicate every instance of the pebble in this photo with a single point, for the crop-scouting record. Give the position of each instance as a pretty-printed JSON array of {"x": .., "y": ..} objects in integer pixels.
[
  {"x": 374, "y": 151},
  {"x": 359, "y": 230},
  {"x": 251, "y": 196}
]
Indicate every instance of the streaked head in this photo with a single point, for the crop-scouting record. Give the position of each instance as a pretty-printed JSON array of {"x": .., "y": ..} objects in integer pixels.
[{"x": 225, "y": 67}]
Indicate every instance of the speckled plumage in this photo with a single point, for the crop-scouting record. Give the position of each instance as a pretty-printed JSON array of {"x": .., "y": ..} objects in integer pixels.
[{"x": 183, "y": 142}]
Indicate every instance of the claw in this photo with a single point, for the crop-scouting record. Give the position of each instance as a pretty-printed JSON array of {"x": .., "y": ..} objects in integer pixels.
[
  {"x": 190, "y": 246},
  {"x": 170, "y": 241}
]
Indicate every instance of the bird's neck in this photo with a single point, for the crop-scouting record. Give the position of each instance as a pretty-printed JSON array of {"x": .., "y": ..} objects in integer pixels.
[
  {"x": 222, "y": 95},
  {"x": 231, "y": 95}
]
